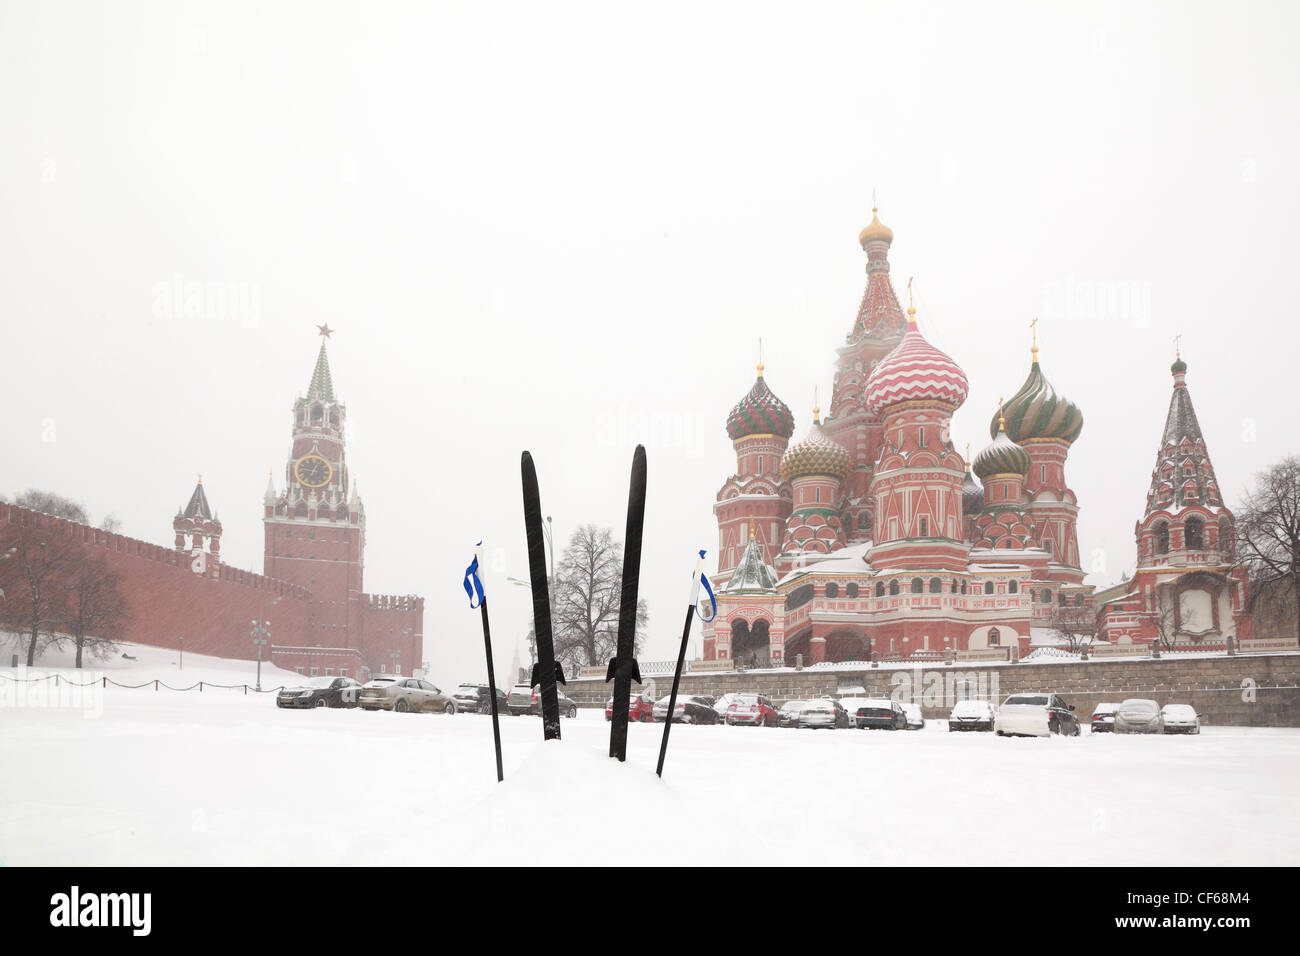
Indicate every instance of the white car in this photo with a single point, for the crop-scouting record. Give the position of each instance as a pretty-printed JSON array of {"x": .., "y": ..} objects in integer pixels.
[
  {"x": 1035, "y": 715},
  {"x": 1180, "y": 719},
  {"x": 972, "y": 715},
  {"x": 1137, "y": 715},
  {"x": 915, "y": 720}
]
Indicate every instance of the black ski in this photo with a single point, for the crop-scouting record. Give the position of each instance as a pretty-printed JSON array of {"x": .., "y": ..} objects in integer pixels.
[
  {"x": 547, "y": 670},
  {"x": 623, "y": 668},
  {"x": 474, "y": 588}
]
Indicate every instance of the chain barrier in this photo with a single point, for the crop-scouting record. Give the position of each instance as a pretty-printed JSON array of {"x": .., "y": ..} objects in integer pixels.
[{"x": 156, "y": 684}]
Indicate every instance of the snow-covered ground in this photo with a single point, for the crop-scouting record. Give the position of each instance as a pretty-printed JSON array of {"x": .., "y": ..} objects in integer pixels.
[{"x": 143, "y": 777}]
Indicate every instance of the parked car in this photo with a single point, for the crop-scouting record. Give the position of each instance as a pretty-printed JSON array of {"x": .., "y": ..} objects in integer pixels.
[
  {"x": 640, "y": 708},
  {"x": 823, "y": 712},
  {"x": 1035, "y": 715},
  {"x": 880, "y": 714},
  {"x": 1103, "y": 718},
  {"x": 915, "y": 719},
  {"x": 723, "y": 704},
  {"x": 851, "y": 704},
  {"x": 477, "y": 699},
  {"x": 788, "y": 715},
  {"x": 696, "y": 709},
  {"x": 972, "y": 715},
  {"x": 320, "y": 692},
  {"x": 1137, "y": 715},
  {"x": 1180, "y": 719},
  {"x": 752, "y": 710},
  {"x": 401, "y": 694},
  {"x": 524, "y": 699}
]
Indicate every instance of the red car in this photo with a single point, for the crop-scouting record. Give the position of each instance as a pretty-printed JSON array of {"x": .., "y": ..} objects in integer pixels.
[
  {"x": 640, "y": 709},
  {"x": 752, "y": 710}
]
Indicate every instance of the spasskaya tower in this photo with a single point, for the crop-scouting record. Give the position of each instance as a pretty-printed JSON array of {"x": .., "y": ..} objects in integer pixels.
[{"x": 316, "y": 527}]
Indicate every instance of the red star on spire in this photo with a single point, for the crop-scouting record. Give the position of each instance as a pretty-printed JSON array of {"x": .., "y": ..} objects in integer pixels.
[{"x": 324, "y": 330}]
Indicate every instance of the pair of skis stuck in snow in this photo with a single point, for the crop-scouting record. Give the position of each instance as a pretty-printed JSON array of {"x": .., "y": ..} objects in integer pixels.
[{"x": 623, "y": 669}]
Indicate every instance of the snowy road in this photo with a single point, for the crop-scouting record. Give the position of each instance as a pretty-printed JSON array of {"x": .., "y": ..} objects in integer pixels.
[{"x": 223, "y": 778}]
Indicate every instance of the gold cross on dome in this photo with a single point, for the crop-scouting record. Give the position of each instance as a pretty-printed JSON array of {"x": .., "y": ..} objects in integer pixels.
[{"x": 1178, "y": 346}]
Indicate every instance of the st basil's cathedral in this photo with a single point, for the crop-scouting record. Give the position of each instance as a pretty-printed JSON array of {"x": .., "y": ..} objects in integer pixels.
[{"x": 872, "y": 534}]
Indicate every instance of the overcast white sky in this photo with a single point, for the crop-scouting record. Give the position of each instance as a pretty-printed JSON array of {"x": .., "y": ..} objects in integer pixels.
[{"x": 563, "y": 228}]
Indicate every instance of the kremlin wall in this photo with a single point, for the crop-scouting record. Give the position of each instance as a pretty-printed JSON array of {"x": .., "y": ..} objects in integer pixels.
[{"x": 321, "y": 620}]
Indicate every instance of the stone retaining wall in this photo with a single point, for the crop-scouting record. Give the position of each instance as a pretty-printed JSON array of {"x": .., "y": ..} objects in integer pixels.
[{"x": 1260, "y": 690}]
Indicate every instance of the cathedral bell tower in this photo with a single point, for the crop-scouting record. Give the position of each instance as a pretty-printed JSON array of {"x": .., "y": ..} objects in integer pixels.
[{"x": 315, "y": 526}]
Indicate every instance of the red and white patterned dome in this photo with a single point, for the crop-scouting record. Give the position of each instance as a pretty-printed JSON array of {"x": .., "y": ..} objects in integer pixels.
[{"x": 915, "y": 371}]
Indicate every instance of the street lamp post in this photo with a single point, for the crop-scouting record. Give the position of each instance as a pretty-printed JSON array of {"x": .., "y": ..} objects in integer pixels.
[
  {"x": 260, "y": 634},
  {"x": 395, "y": 655}
]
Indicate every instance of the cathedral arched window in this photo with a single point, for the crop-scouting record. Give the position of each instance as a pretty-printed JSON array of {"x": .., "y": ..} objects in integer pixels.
[
  {"x": 1060, "y": 599},
  {"x": 300, "y": 510},
  {"x": 995, "y": 636},
  {"x": 1078, "y": 600},
  {"x": 918, "y": 586},
  {"x": 936, "y": 586},
  {"x": 851, "y": 590},
  {"x": 1190, "y": 491},
  {"x": 1194, "y": 533},
  {"x": 1013, "y": 587},
  {"x": 963, "y": 587},
  {"x": 880, "y": 589},
  {"x": 893, "y": 587},
  {"x": 832, "y": 590},
  {"x": 317, "y": 413},
  {"x": 988, "y": 587}
]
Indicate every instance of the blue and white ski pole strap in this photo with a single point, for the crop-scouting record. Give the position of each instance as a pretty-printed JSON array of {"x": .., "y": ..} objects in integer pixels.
[
  {"x": 475, "y": 590},
  {"x": 701, "y": 579}
]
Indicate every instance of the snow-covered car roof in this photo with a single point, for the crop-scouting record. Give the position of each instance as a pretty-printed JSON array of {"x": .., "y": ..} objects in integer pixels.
[
  {"x": 1178, "y": 710},
  {"x": 971, "y": 708},
  {"x": 881, "y": 702},
  {"x": 1139, "y": 703},
  {"x": 1105, "y": 708}
]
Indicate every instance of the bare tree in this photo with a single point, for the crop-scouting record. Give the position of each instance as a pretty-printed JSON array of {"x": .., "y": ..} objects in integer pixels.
[
  {"x": 95, "y": 610},
  {"x": 47, "y": 502},
  {"x": 111, "y": 524},
  {"x": 1073, "y": 625},
  {"x": 1166, "y": 620},
  {"x": 1268, "y": 537},
  {"x": 586, "y": 599},
  {"x": 36, "y": 573}
]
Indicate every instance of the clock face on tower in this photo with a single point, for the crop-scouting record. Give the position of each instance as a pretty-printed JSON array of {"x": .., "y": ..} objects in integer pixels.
[{"x": 313, "y": 471}]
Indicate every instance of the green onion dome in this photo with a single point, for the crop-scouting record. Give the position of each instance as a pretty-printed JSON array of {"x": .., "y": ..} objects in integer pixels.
[
  {"x": 816, "y": 455},
  {"x": 760, "y": 413},
  {"x": 1037, "y": 411},
  {"x": 1001, "y": 457},
  {"x": 972, "y": 495}
]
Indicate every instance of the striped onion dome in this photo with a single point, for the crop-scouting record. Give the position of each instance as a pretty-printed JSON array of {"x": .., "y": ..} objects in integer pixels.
[
  {"x": 915, "y": 371},
  {"x": 760, "y": 412},
  {"x": 816, "y": 455},
  {"x": 1037, "y": 411},
  {"x": 1001, "y": 457}
]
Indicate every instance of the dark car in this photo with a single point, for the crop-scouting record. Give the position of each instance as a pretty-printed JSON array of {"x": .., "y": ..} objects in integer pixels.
[
  {"x": 477, "y": 699},
  {"x": 320, "y": 692},
  {"x": 881, "y": 715},
  {"x": 528, "y": 700},
  {"x": 696, "y": 709}
]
